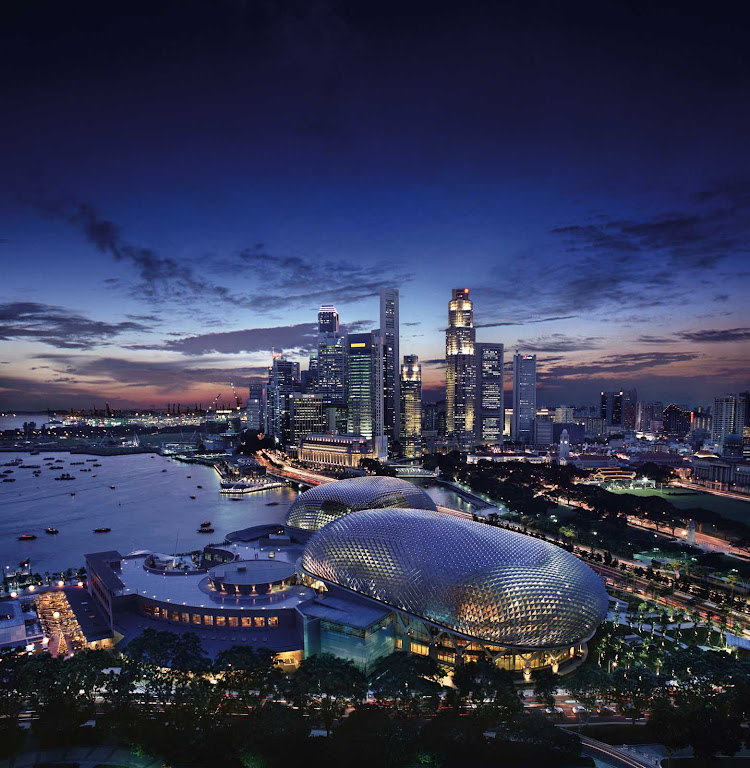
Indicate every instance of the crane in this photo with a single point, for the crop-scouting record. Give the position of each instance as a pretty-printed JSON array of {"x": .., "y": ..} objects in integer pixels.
[{"x": 236, "y": 396}]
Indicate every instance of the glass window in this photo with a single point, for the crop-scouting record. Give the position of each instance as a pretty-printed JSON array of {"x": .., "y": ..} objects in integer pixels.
[
  {"x": 148, "y": 610},
  {"x": 233, "y": 622},
  {"x": 420, "y": 649},
  {"x": 259, "y": 621},
  {"x": 273, "y": 621},
  {"x": 208, "y": 620},
  {"x": 196, "y": 618},
  {"x": 174, "y": 616},
  {"x": 185, "y": 617},
  {"x": 221, "y": 621},
  {"x": 247, "y": 621}
]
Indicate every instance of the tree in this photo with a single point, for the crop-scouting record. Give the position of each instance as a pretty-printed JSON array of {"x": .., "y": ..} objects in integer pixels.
[
  {"x": 632, "y": 690},
  {"x": 587, "y": 684},
  {"x": 327, "y": 684},
  {"x": 384, "y": 739},
  {"x": 489, "y": 687},
  {"x": 669, "y": 727},
  {"x": 406, "y": 679},
  {"x": 247, "y": 675},
  {"x": 546, "y": 684}
]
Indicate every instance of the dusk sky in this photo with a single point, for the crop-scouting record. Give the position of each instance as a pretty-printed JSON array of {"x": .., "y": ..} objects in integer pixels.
[{"x": 185, "y": 183}]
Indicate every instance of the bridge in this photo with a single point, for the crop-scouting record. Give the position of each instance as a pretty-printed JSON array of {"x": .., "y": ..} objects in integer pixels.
[{"x": 412, "y": 471}]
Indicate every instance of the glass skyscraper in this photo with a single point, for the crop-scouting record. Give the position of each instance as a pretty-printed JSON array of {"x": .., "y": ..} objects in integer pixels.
[
  {"x": 331, "y": 363},
  {"x": 490, "y": 408},
  {"x": 389, "y": 331},
  {"x": 365, "y": 384},
  {"x": 524, "y": 398},
  {"x": 460, "y": 369},
  {"x": 411, "y": 407}
]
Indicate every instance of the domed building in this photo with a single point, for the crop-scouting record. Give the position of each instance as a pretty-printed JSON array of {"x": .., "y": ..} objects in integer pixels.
[
  {"x": 461, "y": 589},
  {"x": 322, "y": 505}
]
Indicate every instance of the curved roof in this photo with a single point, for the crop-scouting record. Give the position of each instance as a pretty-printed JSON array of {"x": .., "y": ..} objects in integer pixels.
[
  {"x": 320, "y": 506},
  {"x": 479, "y": 580}
]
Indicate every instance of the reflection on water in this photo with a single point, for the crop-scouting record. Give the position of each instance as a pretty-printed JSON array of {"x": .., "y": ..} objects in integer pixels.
[{"x": 148, "y": 508}]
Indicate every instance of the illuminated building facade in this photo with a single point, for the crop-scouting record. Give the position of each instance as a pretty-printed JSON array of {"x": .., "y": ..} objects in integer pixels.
[
  {"x": 460, "y": 369},
  {"x": 489, "y": 414},
  {"x": 256, "y": 406},
  {"x": 389, "y": 332},
  {"x": 283, "y": 379},
  {"x": 524, "y": 398},
  {"x": 411, "y": 407},
  {"x": 306, "y": 415},
  {"x": 331, "y": 362},
  {"x": 365, "y": 384},
  {"x": 649, "y": 416},
  {"x": 728, "y": 417}
]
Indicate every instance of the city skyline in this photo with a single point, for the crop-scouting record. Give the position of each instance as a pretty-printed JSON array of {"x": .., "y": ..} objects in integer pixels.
[{"x": 180, "y": 224}]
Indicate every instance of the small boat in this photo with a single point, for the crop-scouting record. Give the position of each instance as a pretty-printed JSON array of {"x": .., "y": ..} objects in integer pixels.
[
  {"x": 27, "y": 537},
  {"x": 272, "y": 504},
  {"x": 189, "y": 477},
  {"x": 235, "y": 498},
  {"x": 97, "y": 465},
  {"x": 112, "y": 487},
  {"x": 192, "y": 497},
  {"x": 205, "y": 530},
  {"x": 94, "y": 475},
  {"x": 51, "y": 530},
  {"x": 205, "y": 524},
  {"x": 72, "y": 493},
  {"x": 102, "y": 530},
  {"x": 164, "y": 470},
  {"x": 8, "y": 480},
  {"x": 199, "y": 486}
]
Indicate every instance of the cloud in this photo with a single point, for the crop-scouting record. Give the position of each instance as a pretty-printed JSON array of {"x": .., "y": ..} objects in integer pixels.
[
  {"x": 503, "y": 323},
  {"x": 615, "y": 366},
  {"x": 302, "y": 336},
  {"x": 715, "y": 336},
  {"x": 59, "y": 327},
  {"x": 559, "y": 342}
]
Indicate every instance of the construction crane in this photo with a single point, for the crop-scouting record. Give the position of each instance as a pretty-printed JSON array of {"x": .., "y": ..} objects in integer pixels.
[
  {"x": 236, "y": 396},
  {"x": 214, "y": 404}
]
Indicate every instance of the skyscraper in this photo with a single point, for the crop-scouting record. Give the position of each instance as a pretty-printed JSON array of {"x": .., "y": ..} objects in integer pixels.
[
  {"x": 331, "y": 364},
  {"x": 649, "y": 415},
  {"x": 256, "y": 406},
  {"x": 728, "y": 417},
  {"x": 365, "y": 384},
  {"x": 389, "y": 331},
  {"x": 328, "y": 319},
  {"x": 306, "y": 415},
  {"x": 283, "y": 379},
  {"x": 524, "y": 398},
  {"x": 677, "y": 420},
  {"x": 411, "y": 407},
  {"x": 460, "y": 369},
  {"x": 618, "y": 409},
  {"x": 489, "y": 414}
]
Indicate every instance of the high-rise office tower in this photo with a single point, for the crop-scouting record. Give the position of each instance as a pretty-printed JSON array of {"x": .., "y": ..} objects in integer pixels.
[
  {"x": 728, "y": 417},
  {"x": 310, "y": 376},
  {"x": 565, "y": 414},
  {"x": 411, "y": 407},
  {"x": 331, "y": 358},
  {"x": 489, "y": 413},
  {"x": 460, "y": 369},
  {"x": 618, "y": 409},
  {"x": 524, "y": 398},
  {"x": 677, "y": 420},
  {"x": 256, "y": 406},
  {"x": 306, "y": 415},
  {"x": 328, "y": 319},
  {"x": 389, "y": 331},
  {"x": 365, "y": 384},
  {"x": 283, "y": 379},
  {"x": 647, "y": 413}
]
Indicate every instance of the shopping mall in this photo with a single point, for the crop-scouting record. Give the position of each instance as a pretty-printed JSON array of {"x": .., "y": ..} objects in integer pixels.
[{"x": 362, "y": 568}]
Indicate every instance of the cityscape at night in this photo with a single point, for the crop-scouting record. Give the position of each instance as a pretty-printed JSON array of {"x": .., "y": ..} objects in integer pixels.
[{"x": 375, "y": 384}]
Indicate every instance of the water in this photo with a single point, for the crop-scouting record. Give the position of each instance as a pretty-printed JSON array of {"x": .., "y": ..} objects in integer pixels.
[
  {"x": 149, "y": 509},
  {"x": 10, "y": 420}
]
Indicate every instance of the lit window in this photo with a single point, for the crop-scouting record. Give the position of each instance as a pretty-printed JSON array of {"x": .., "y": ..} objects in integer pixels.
[
  {"x": 221, "y": 621},
  {"x": 259, "y": 621},
  {"x": 273, "y": 621},
  {"x": 208, "y": 620},
  {"x": 247, "y": 621},
  {"x": 233, "y": 621},
  {"x": 196, "y": 618}
]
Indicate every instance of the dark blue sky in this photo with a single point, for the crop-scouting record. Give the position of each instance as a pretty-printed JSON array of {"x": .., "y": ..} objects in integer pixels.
[{"x": 185, "y": 183}]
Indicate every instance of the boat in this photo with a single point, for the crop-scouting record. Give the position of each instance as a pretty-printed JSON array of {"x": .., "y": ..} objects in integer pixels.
[
  {"x": 189, "y": 477},
  {"x": 235, "y": 498},
  {"x": 164, "y": 470},
  {"x": 272, "y": 504},
  {"x": 8, "y": 480},
  {"x": 205, "y": 530},
  {"x": 102, "y": 530},
  {"x": 27, "y": 537},
  {"x": 112, "y": 487},
  {"x": 199, "y": 486},
  {"x": 51, "y": 530},
  {"x": 191, "y": 496},
  {"x": 72, "y": 493},
  {"x": 94, "y": 475},
  {"x": 34, "y": 453},
  {"x": 205, "y": 524},
  {"x": 97, "y": 465}
]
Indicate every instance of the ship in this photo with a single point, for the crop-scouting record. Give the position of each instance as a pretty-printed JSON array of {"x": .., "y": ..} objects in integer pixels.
[
  {"x": 102, "y": 530},
  {"x": 51, "y": 530},
  {"x": 27, "y": 537},
  {"x": 205, "y": 530}
]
